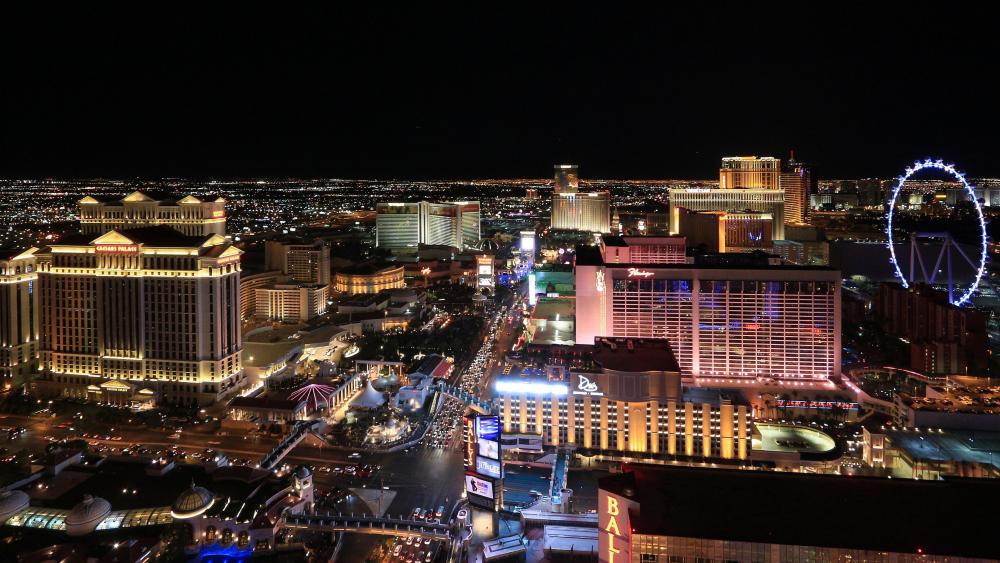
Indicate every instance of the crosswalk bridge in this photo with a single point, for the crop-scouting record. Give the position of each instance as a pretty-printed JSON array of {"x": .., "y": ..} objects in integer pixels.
[
  {"x": 468, "y": 399},
  {"x": 362, "y": 524},
  {"x": 302, "y": 428}
]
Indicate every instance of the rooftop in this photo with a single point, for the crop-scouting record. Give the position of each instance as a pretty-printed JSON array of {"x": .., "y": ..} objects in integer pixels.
[
  {"x": 948, "y": 445},
  {"x": 556, "y": 308},
  {"x": 367, "y": 269},
  {"x": 264, "y": 403},
  {"x": 158, "y": 235},
  {"x": 849, "y": 511},
  {"x": 587, "y": 255},
  {"x": 960, "y": 399},
  {"x": 634, "y": 354}
]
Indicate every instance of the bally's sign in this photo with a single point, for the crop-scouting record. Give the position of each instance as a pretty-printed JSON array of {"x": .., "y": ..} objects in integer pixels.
[{"x": 587, "y": 386}]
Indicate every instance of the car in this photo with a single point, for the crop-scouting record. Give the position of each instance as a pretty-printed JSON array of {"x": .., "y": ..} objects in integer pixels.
[
  {"x": 354, "y": 455},
  {"x": 409, "y": 540},
  {"x": 428, "y": 558},
  {"x": 174, "y": 436},
  {"x": 399, "y": 547},
  {"x": 427, "y": 541},
  {"x": 416, "y": 513}
]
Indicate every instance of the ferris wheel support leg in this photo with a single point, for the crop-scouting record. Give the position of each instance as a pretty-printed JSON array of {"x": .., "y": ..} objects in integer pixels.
[{"x": 951, "y": 282}]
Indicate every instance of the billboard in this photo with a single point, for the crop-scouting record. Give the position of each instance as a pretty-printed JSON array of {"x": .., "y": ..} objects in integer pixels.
[
  {"x": 490, "y": 449},
  {"x": 488, "y": 427},
  {"x": 477, "y": 486},
  {"x": 484, "y": 466},
  {"x": 488, "y": 467}
]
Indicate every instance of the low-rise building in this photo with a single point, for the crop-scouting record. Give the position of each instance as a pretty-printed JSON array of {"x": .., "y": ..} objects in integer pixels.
[
  {"x": 291, "y": 302},
  {"x": 369, "y": 278}
]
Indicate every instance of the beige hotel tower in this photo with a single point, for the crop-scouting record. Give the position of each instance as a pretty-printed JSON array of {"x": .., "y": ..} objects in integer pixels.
[{"x": 139, "y": 316}]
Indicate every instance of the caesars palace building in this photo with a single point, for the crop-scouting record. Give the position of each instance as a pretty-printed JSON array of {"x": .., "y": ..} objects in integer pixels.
[{"x": 140, "y": 316}]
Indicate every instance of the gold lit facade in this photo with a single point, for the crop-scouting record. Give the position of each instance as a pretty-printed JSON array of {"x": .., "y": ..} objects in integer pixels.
[
  {"x": 749, "y": 172},
  {"x": 18, "y": 317},
  {"x": 190, "y": 215},
  {"x": 369, "y": 280},
  {"x": 140, "y": 312}
]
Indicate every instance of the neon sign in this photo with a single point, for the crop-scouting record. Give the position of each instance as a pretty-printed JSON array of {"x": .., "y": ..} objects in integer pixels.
[
  {"x": 600, "y": 281},
  {"x": 116, "y": 248},
  {"x": 425, "y": 271},
  {"x": 218, "y": 214},
  {"x": 613, "y": 532},
  {"x": 637, "y": 273},
  {"x": 818, "y": 405},
  {"x": 584, "y": 386}
]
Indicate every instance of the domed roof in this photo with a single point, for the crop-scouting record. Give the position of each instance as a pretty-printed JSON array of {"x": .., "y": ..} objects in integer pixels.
[
  {"x": 302, "y": 472},
  {"x": 192, "y": 502},
  {"x": 12, "y": 502},
  {"x": 86, "y": 515}
]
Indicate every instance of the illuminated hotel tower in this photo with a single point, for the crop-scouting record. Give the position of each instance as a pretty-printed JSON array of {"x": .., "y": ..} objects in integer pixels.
[
  {"x": 796, "y": 180},
  {"x": 567, "y": 178},
  {"x": 749, "y": 172},
  {"x": 194, "y": 216},
  {"x": 401, "y": 226},
  {"x": 582, "y": 211},
  {"x": 18, "y": 317},
  {"x": 731, "y": 316},
  {"x": 140, "y": 313}
]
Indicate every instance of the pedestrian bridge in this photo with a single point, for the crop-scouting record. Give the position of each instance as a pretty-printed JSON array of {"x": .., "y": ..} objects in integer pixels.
[
  {"x": 361, "y": 524},
  {"x": 468, "y": 399},
  {"x": 288, "y": 443}
]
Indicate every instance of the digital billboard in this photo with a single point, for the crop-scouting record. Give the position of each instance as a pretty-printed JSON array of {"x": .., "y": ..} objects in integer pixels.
[
  {"x": 490, "y": 449},
  {"x": 478, "y": 486},
  {"x": 488, "y": 467},
  {"x": 488, "y": 427}
]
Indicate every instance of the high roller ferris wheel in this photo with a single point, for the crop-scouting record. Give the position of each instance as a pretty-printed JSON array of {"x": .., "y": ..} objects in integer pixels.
[{"x": 958, "y": 295}]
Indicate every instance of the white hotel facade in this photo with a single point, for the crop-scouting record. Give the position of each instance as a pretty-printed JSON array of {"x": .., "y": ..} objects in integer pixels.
[{"x": 727, "y": 319}]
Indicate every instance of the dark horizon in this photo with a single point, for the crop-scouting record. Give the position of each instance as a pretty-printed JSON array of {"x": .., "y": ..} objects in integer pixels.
[{"x": 408, "y": 94}]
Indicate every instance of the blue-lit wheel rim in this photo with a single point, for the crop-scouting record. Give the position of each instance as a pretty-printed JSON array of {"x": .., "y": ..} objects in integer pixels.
[{"x": 950, "y": 169}]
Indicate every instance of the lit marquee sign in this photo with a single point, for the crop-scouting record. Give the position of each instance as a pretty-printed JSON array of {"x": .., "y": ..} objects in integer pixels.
[
  {"x": 218, "y": 214},
  {"x": 637, "y": 273},
  {"x": 613, "y": 525},
  {"x": 228, "y": 260},
  {"x": 116, "y": 248},
  {"x": 584, "y": 386}
]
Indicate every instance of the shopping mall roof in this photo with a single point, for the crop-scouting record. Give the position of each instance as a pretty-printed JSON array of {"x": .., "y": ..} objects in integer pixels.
[{"x": 946, "y": 517}]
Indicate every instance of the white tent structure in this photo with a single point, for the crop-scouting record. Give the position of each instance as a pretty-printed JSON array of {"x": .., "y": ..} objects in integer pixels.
[{"x": 369, "y": 399}]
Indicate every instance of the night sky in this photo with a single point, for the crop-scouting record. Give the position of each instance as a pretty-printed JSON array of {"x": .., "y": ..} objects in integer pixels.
[{"x": 419, "y": 94}]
